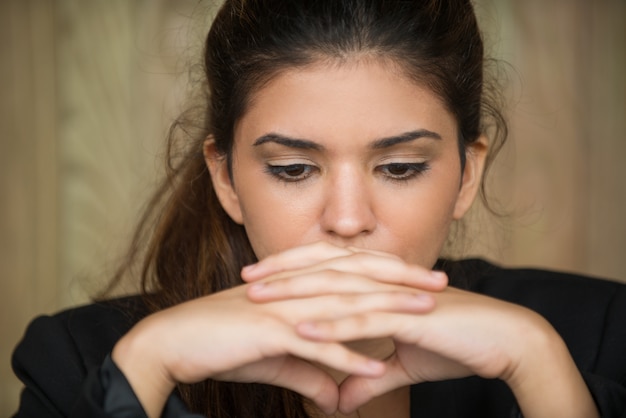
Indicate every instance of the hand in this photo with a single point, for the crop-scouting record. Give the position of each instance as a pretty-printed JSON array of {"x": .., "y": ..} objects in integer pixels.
[
  {"x": 225, "y": 336},
  {"x": 313, "y": 269},
  {"x": 466, "y": 333}
]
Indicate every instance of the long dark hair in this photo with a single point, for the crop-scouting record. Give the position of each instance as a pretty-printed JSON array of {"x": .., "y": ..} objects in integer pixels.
[{"x": 188, "y": 244}]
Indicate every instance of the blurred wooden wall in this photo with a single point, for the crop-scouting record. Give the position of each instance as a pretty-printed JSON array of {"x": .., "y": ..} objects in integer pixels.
[
  {"x": 562, "y": 172},
  {"x": 88, "y": 89}
]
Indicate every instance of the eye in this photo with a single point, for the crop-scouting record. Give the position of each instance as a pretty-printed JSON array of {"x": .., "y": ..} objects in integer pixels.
[
  {"x": 402, "y": 171},
  {"x": 291, "y": 172}
]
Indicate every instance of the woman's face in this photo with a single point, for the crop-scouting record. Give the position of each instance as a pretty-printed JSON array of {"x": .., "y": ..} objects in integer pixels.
[{"x": 356, "y": 155}]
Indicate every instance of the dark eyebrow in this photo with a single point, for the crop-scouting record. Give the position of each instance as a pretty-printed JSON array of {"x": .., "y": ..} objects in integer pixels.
[
  {"x": 288, "y": 142},
  {"x": 378, "y": 144},
  {"x": 405, "y": 137}
]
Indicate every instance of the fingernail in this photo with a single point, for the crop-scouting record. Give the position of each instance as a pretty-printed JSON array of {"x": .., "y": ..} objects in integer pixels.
[
  {"x": 249, "y": 268},
  {"x": 375, "y": 366},
  {"x": 438, "y": 276}
]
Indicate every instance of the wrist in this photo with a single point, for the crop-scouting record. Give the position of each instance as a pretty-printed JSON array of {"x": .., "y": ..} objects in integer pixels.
[
  {"x": 546, "y": 381},
  {"x": 137, "y": 357}
]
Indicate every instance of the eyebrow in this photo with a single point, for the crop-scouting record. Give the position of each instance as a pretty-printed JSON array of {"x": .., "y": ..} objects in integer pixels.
[
  {"x": 378, "y": 144},
  {"x": 288, "y": 142},
  {"x": 403, "y": 138}
]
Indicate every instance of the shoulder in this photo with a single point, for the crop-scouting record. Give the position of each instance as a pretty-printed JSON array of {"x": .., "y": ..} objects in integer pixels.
[
  {"x": 543, "y": 290},
  {"x": 532, "y": 286},
  {"x": 90, "y": 330},
  {"x": 589, "y": 313},
  {"x": 57, "y": 351}
]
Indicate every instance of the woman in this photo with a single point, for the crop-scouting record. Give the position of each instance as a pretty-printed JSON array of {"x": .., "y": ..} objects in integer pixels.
[{"x": 291, "y": 266}]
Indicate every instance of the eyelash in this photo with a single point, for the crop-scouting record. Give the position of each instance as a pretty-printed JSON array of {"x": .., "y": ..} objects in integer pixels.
[
  {"x": 411, "y": 170},
  {"x": 304, "y": 171}
]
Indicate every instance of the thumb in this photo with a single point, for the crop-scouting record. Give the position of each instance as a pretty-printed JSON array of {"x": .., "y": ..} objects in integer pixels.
[
  {"x": 356, "y": 391},
  {"x": 293, "y": 259},
  {"x": 309, "y": 381}
]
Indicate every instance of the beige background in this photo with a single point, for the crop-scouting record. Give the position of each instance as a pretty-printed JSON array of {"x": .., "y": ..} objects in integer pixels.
[{"x": 87, "y": 89}]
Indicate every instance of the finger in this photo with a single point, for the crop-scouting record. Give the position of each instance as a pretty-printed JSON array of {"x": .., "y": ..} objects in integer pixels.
[
  {"x": 336, "y": 306},
  {"x": 373, "y": 252},
  {"x": 338, "y": 357},
  {"x": 291, "y": 373},
  {"x": 378, "y": 265},
  {"x": 294, "y": 258},
  {"x": 387, "y": 269},
  {"x": 356, "y": 391},
  {"x": 325, "y": 283},
  {"x": 307, "y": 380},
  {"x": 355, "y": 273},
  {"x": 331, "y": 354},
  {"x": 401, "y": 326}
]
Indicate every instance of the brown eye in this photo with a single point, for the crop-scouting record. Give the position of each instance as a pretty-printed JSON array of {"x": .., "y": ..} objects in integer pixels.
[
  {"x": 291, "y": 172},
  {"x": 397, "y": 169},
  {"x": 402, "y": 171},
  {"x": 295, "y": 170}
]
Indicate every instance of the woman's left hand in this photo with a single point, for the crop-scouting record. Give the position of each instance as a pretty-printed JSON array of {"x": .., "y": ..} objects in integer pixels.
[{"x": 465, "y": 334}]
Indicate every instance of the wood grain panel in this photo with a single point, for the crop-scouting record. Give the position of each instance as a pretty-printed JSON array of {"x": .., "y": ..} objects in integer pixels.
[
  {"x": 28, "y": 180},
  {"x": 567, "y": 119},
  {"x": 606, "y": 114}
]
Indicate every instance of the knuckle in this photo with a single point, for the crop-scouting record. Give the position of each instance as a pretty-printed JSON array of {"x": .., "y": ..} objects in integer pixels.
[
  {"x": 361, "y": 321},
  {"x": 349, "y": 299}
]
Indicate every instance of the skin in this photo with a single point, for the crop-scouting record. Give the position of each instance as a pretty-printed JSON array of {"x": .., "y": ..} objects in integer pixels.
[
  {"x": 347, "y": 179},
  {"x": 346, "y": 194}
]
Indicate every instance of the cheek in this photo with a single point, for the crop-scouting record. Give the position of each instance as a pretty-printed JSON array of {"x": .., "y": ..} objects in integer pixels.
[
  {"x": 274, "y": 219},
  {"x": 420, "y": 220},
  {"x": 419, "y": 231}
]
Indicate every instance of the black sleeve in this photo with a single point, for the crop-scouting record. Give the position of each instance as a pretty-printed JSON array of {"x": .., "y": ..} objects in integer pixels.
[
  {"x": 610, "y": 396},
  {"x": 606, "y": 379},
  {"x": 108, "y": 394}
]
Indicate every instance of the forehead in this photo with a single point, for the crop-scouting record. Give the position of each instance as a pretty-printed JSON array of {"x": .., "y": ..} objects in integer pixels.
[{"x": 365, "y": 98}]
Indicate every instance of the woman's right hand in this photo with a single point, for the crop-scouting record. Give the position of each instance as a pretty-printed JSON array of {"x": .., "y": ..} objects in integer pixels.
[{"x": 225, "y": 336}]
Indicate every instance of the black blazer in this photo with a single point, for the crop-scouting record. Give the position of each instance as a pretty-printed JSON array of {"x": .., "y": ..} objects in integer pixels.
[{"x": 60, "y": 356}]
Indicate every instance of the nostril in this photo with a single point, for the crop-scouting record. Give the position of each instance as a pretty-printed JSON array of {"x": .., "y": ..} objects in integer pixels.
[{"x": 349, "y": 226}]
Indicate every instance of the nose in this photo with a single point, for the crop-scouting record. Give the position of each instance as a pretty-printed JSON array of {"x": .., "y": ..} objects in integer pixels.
[{"x": 348, "y": 211}]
